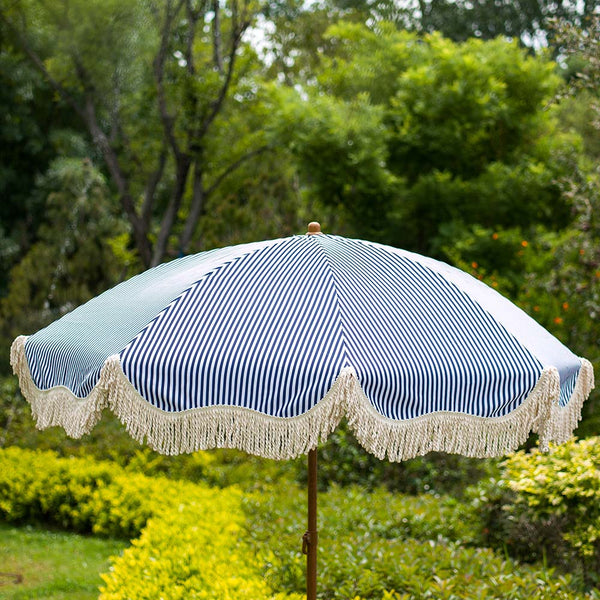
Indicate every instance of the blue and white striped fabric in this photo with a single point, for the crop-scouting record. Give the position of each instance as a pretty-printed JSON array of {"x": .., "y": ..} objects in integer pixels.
[{"x": 268, "y": 328}]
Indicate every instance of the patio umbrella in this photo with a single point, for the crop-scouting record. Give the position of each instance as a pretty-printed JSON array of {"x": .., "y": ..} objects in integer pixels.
[{"x": 265, "y": 347}]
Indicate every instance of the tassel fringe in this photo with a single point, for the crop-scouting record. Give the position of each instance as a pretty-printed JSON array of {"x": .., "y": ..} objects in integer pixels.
[
  {"x": 284, "y": 438},
  {"x": 221, "y": 426},
  {"x": 566, "y": 418},
  {"x": 454, "y": 433},
  {"x": 57, "y": 406}
]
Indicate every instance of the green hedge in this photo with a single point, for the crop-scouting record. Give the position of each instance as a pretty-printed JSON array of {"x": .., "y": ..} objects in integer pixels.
[
  {"x": 81, "y": 494},
  {"x": 197, "y": 550},
  {"x": 409, "y": 547},
  {"x": 547, "y": 507}
]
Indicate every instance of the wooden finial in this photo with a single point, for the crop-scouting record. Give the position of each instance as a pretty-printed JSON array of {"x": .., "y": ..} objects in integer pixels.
[{"x": 314, "y": 228}]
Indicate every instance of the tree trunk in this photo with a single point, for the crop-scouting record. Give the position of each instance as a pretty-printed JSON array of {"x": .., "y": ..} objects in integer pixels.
[
  {"x": 196, "y": 208},
  {"x": 166, "y": 226}
]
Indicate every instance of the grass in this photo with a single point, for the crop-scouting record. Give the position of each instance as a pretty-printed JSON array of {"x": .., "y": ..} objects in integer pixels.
[{"x": 37, "y": 564}]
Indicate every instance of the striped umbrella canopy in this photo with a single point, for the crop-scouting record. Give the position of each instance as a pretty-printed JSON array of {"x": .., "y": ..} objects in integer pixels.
[{"x": 265, "y": 347}]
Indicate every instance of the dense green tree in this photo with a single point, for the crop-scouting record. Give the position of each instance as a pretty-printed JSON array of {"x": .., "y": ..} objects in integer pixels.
[
  {"x": 34, "y": 129},
  {"x": 73, "y": 257},
  {"x": 173, "y": 123},
  {"x": 340, "y": 150},
  {"x": 156, "y": 106},
  {"x": 524, "y": 20},
  {"x": 406, "y": 134},
  {"x": 296, "y": 30},
  {"x": 563, "y": 275},
  {"x": 580, "y": 48},
  {"x": 555, "y": 274}
]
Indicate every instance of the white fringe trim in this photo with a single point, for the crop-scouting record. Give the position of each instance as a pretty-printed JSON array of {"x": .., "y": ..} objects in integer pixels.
[
  {"x": 57, "y": 406},
  {"x": 455, "y": 433},
  {"x": 565, "y": 419},
  {"x": 284, "y": 438},
  {"x": 222, "y": 426}
]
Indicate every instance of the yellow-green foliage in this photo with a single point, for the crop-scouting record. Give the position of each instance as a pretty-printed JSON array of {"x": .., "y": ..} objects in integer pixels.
[
  {"x": 219, "y": 544},
  {"x": 565, "y": 484},
  {"x": 81, "y": 494},
  {"x": 196, "y": 550},
  {"x": 194, "y": 546},
  {"x": 547, "y": 506}
]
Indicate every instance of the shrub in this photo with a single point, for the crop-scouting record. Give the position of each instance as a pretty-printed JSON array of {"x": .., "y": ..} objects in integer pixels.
[
  {"x": 191, "y": 543},
  {"x": 192, "y": 551},
  {"x": 349, "y": 518},
  {"x": 547, "y": 506},
  {"x": 209, "y": 544},
  {"x": 393, "y": 547},
  {"x": 81, "y": 494}
]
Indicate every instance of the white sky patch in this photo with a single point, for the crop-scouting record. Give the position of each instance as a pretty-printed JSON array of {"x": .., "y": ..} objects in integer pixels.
[
  {"x": 537, "y": 41},
  {"x": 180, "y": 58},
  {"x": 258, "y": 37}
]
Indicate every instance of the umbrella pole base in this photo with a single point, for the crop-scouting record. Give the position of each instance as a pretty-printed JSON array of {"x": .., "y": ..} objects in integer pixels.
[{"x": 310, "y": 538}]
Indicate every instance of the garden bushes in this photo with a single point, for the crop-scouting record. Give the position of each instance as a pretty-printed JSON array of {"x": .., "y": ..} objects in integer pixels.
[
  {"x": 198, "y": 550},
  {"x": 191, "y": 548},
  {"x": 83, "y": 495},
  {"x": 388, "y": 546},
  {"x": 206, "y": 543},
  {"x": 547, "y": 507}
]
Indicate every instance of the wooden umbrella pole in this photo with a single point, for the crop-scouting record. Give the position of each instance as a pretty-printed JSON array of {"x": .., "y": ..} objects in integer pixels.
[{"x": 310, "y": 538}]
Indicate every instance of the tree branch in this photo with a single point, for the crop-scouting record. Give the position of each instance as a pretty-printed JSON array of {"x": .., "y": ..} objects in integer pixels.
[
  {"x": 87, "y": 113},
  {"x": 120, "y": 180},
  {"x": 237, "y": 31},
  {"x": 151, "y": 186},
  {"x": 167, "y": 119},
  {"x": 140, "y": 228},
  {"x": 216, "y": 34},
  {"x": 234, "y": 166},
  {"x": 168, "y": 220},
  {"x": 200, "y": 195},
  {"x": 197, "y": 208},
  {"x": 192, "y": 16},
  {"x": 38, "y": 63}
]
